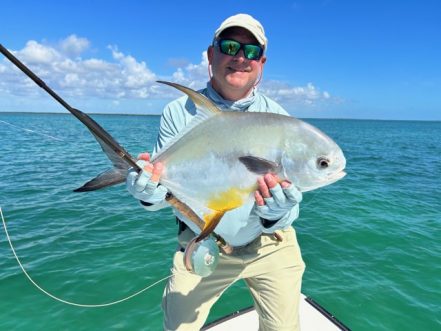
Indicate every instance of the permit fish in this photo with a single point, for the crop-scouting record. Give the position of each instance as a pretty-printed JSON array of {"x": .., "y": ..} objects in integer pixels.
[{"x": 212, "y": 166}]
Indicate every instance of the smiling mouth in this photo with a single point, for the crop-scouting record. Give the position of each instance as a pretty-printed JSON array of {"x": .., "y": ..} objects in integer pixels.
[{"x": 238, "y": 70}]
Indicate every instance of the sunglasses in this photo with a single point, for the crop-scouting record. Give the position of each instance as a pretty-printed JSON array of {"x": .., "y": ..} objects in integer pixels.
[{"x": 232, "y": 47}]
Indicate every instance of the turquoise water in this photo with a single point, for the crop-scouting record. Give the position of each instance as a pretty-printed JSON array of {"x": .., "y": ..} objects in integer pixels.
[{"x": 371, "y": 242}]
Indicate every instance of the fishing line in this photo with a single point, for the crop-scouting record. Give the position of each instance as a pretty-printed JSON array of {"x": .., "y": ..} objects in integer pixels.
[
  {"x": 32, "y": 131},
  {"x": 65, "y": 301}
]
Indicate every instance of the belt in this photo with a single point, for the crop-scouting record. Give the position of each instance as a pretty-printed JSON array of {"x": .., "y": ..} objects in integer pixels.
[{"x": 225, "y": 247}]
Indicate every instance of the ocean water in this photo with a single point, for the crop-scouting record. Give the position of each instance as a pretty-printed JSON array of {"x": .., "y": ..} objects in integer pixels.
[{"x": 371, "y": 242}]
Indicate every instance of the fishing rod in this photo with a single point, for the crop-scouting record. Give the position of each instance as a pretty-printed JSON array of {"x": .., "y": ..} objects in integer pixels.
[{"x": 93, "y": 126}]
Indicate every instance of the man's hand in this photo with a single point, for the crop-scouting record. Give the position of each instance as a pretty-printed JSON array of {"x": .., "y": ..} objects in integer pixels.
[
  {"x": 150, "y": 175},
  {"x": 144, "y": 186},
  {"x": 275, "y": 200}
]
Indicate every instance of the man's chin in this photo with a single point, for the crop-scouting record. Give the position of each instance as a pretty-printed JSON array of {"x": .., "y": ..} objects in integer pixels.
[{"x": 238, "y": 80}]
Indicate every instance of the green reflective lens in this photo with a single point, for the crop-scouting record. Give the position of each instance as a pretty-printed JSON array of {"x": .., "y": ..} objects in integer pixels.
[
  {"x": 232, "y": 47},
  {"x": 252, "y": 52}
]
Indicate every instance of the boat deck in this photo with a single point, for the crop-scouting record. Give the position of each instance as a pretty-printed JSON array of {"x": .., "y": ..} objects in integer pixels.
[{"x": 313, "y": 317}]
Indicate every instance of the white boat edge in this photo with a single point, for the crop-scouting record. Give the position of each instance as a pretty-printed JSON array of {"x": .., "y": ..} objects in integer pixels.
[{"x": 313, "y": 317}]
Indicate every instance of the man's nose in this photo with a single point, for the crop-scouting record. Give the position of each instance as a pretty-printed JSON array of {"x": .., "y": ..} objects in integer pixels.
[{"x": 240, "y": 55}]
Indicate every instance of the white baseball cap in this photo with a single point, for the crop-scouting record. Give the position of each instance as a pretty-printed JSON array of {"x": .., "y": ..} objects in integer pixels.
[{"x": 247, "y": 22}]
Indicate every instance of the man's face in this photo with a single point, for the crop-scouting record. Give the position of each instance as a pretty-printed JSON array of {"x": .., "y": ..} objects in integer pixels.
[{"x": 234, "y": 76}]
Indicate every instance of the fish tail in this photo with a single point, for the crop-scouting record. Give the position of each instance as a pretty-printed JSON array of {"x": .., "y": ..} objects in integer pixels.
[{"x": 108, "y": 178}]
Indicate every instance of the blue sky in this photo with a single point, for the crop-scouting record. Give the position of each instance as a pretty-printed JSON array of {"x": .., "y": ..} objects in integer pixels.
[{"x": 326, "y": 59}]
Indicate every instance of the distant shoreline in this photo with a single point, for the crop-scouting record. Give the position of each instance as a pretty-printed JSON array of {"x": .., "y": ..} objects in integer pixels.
[
  {"x": 157, "y": 115},
  {"x": 67, "y": 113}
]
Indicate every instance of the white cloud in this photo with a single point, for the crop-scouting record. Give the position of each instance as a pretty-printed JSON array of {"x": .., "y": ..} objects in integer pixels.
[
  {"x": 134, "y": 75},
  {"x": 35, "y": 53},
  {"x": 194, "y": 76},
  {"x": 73, "y": 45},
  {"x": 62, "y": 68},
  {"x": 300, "y": 95}
]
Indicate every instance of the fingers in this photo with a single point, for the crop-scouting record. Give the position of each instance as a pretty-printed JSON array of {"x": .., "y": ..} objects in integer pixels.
[
  {"x": 151, "y": 173},
  {"x": 142, "y": 181},
  {"x": 148, "y": 167},
  {"x": 262, "y": 188},
  {"x": 144, "y": 156},
  {"x": 274, "y": 198},
  {"x": 156, "y": 172},
  {"x": 269, "y": 191},
  {"x": 266, "y": 183},
  {"x": 271, "y": 180},
  {"x": 293, "y": 194},
  {"x": 259, "y": 198}
]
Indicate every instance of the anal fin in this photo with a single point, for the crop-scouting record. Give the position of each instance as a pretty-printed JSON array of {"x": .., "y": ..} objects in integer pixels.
[{"x": 211, "y": 221}]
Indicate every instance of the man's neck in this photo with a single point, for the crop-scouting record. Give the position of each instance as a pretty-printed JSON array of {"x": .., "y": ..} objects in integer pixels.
[{"x": 231, "y": 94}]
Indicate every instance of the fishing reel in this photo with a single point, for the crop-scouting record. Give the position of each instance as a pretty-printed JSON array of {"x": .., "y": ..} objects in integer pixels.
[{"x": 201, "y": 257}]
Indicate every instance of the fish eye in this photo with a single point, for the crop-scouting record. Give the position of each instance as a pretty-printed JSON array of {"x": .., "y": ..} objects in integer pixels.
[{"x": 322, "y": 162}]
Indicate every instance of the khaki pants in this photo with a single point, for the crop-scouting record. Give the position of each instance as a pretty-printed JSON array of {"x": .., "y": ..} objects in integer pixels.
[{"x": 272, "y": 270}]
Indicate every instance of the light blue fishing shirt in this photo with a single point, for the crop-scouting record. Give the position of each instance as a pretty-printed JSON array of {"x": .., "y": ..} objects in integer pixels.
[{"x": 242, "y": 225}]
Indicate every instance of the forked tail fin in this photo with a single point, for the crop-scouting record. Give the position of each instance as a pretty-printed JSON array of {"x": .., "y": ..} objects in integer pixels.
[
  {"x": 107, "y": 178},
  {"x": 115, "y": 153}
]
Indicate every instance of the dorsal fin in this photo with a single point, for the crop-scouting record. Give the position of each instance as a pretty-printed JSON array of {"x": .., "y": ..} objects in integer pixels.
[
  {"x": 205, "y": 110},
  {"x": 202, "y": 103}
]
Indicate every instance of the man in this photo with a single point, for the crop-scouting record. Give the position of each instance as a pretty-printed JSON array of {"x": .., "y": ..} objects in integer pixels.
[{"x": 266, "y": 253}]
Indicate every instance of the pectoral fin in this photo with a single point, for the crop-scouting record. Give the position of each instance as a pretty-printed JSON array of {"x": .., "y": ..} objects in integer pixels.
[
  {"x": 259, "y": 165},
  {"x": 211, "y": 221}
]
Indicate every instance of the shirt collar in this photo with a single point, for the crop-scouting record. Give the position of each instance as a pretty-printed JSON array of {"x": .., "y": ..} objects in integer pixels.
[{"x": 227, "y": 105}]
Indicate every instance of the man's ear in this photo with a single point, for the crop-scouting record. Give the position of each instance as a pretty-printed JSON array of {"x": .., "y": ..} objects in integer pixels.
[
  {"x": 263, "y": 59},
  {"x": 210, "y": 51}
]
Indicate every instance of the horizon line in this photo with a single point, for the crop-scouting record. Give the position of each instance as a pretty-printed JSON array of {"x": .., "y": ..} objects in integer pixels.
[{"x": 137, "y": 114}]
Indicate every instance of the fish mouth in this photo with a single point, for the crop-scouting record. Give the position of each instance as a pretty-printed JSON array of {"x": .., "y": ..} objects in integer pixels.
[
  {"x": 336, "y": 177},
  {"x": 329, "y": 180}
]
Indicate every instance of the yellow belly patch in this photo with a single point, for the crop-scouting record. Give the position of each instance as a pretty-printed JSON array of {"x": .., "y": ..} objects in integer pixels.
[
  {"x": 232, "y": 198},
  {"x": 222, "y": 202}
]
